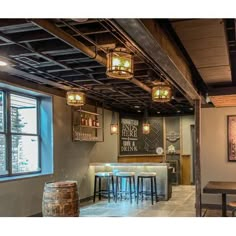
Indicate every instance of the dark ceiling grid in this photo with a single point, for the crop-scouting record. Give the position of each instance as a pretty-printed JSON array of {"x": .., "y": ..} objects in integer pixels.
[{"x": 34, "y": 50}]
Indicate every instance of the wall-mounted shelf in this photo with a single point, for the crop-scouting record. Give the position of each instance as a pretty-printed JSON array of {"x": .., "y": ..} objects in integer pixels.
[
  {"x": 87, "y": 124},
  {"x": 88, "y": 112}
]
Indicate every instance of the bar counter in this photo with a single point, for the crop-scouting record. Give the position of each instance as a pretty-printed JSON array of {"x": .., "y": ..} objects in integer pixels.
[{"x": 163, "y": 171}]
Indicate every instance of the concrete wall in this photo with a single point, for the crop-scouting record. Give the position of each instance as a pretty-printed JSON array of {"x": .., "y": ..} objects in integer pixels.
[
  {"x": 71, "y": 161},
  {"x": 214, "y": 163}
]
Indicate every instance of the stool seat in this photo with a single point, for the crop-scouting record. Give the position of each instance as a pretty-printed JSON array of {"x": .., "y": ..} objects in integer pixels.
[
  {"x": 146, "y": 174},
  {"x": 103, "y": 174},
  {"x": 128, "y": 174}
]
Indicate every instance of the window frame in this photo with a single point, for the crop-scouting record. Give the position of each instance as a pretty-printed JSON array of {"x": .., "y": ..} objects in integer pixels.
[{"x": 8, "y": 132}]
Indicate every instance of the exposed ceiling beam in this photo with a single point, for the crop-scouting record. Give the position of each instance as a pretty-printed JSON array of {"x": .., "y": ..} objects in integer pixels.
[
  {"x": 13, "y": 80},
  {"x": 146, "y": 41},
  {"x": 59, "y": 33},
  {"x": 68, "y": 39},
  {"x": 196, "y": 77},
  {"x": 222, "y": 91}
]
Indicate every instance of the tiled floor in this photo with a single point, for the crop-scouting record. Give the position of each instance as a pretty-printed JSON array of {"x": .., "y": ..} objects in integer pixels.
[{"x": 181, "y": 204}]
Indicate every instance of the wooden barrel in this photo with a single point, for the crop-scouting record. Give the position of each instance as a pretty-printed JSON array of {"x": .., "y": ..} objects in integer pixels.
[{"x": 60, "y": 199}]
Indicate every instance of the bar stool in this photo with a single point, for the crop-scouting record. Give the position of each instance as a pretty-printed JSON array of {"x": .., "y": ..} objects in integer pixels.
[
  {"x": 129, "y": 177},
  {"x": 108, "y": 176},
  {"x": 150, "y": 176}
]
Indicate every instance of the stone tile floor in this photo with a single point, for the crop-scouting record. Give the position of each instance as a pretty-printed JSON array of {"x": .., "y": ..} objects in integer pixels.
[{"x": 181, "y": 204}]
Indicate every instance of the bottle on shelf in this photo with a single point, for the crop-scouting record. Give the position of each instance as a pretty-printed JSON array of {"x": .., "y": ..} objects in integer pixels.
[
  {"x": 86, "y": 120},
  {"x": 97, "y": 122},
  {"x": 82, "y": 120},
  {"x": 94, "y": 122},
  {"x": 90, "y": 121}
]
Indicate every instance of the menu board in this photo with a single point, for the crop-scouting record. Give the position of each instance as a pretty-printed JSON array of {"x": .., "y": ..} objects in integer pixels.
[{"x": 134, "y": 142}]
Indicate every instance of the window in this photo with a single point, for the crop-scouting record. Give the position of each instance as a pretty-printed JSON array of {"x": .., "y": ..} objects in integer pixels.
[{"x": 19, "y": 134}]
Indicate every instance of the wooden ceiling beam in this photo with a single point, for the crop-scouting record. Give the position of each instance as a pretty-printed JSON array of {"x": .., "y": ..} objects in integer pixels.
[
  {"x": 222, "y": 91},
  {"x": 144, "y": 36}
]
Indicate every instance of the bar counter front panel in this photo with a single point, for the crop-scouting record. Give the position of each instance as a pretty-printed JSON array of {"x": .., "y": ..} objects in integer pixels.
[{"x": 164, "y": 188}]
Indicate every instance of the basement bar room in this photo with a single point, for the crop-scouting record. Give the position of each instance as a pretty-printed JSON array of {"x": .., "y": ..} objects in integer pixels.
[{"x": 117, "y": 117}]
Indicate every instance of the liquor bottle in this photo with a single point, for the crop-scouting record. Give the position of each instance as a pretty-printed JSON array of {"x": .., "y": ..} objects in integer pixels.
[
  {"x": 97, "y": 122},
  {"x": 86, "y": 120},
  {"x": 94, "y": 122},
  {"x": 82, "y": 121},
  {"x": 90, "y": 121}
]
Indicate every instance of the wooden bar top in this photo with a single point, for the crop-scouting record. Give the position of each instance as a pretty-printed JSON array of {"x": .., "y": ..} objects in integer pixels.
[{"x": 220, "y": 187}]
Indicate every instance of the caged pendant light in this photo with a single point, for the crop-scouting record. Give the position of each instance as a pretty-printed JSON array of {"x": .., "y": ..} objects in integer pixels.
[
  {"x": 75, "y": 98},
  {"x": 114, "y": 124},
  {"x": 146, "y": 125},
  {"x": 161, "y": 92},
  {"x": 120, "y": 64}
]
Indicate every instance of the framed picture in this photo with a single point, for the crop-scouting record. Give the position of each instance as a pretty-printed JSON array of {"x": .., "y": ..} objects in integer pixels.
[{"x": 231, "y": 133}]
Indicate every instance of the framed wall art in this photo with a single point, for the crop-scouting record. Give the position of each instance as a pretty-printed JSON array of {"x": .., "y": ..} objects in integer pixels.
[{"x": 231, "y": 133}]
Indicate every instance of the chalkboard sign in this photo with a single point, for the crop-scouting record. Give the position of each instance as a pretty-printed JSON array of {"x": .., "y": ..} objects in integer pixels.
[{"x": 134, "y": 142}]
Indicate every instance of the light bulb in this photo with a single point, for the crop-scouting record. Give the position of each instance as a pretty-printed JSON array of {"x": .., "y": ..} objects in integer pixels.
[
  {"x": 78, "y": 97},
  {"x": 115, "y": 61},
  {"x": 3, "y": 63}
]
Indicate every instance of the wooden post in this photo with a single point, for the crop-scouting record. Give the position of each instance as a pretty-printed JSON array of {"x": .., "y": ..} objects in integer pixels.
[{"x": 197, "y": 156}]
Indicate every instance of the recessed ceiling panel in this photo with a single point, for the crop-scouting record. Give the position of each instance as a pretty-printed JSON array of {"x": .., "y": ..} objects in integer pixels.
[
  {"x": 205, "y": 42},
  {"x": 224, "y": 101}
]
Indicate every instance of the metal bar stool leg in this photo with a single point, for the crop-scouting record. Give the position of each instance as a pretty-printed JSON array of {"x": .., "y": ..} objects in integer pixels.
[
  {"x": 108, "y": 188},
  {"x": 116, "y": 189},
  {"x": 130, "y": 189},
  {"x": 138, "y": 189},
  {"x": 155, "y": 186},
  {"x": 134, "y": 187},
  {"x": 142, "y": 188},
  {"x": 112, "y": 185},
  {"x": 99, "y": 188},
  {"x": 152, "y": 189},
  {"x": 95, "y": 188}
]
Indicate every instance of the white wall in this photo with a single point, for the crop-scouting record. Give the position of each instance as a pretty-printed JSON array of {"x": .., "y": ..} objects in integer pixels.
[
  {"x": 71, "y": 161},
  {"x": 214, "y": 163}
]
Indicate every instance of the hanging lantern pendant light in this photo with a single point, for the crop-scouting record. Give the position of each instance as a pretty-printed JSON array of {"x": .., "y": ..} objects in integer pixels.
[
  {"x": 161, "y": 92},
  {"x": 75, "y": 98},
  {"x": 146, "y": 125},
  {"x": 120, "y": 64},
  {"x": 114, "y": 125}
]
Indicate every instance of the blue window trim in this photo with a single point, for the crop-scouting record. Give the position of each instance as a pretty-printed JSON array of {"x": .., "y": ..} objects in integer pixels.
[{"x": 45, "y": 161}]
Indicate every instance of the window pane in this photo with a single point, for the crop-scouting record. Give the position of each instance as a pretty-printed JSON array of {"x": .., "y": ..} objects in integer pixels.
[
  {"x": 23, "y": 114},
  {"x": 1, "y": 111},
  {"x": 24, "y": 154},
  {"x": 3, "y": 169}
]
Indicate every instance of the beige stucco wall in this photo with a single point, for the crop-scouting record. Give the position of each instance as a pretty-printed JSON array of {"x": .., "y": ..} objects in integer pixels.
[
  {"x": 214, "y": 163},
  {"x": 71, "y": 161}
]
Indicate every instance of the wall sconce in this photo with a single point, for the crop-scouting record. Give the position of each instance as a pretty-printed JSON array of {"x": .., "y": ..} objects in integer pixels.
[
  {"x": 161, "y": 92},
  {"x": 75, "y": 98},
  {"x": 146, "y": 125},
  {"x": 120, "y": 64},
  {"x": 114, "y": 125}
]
